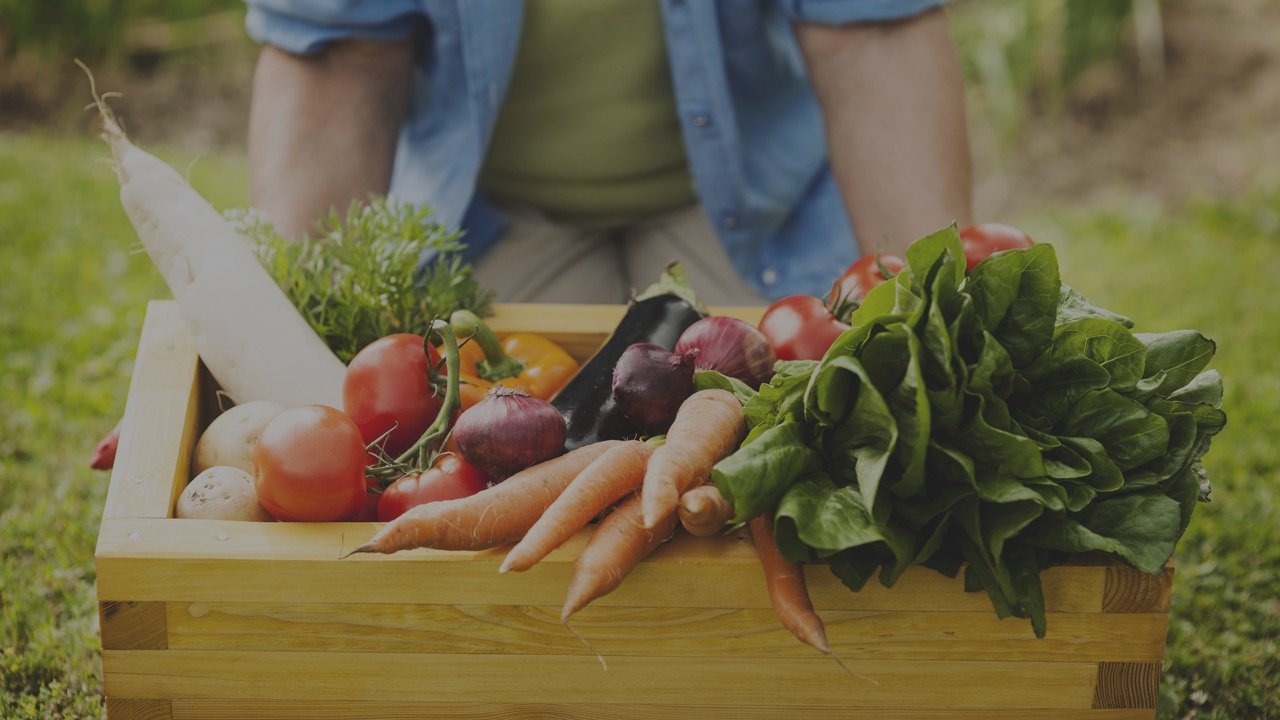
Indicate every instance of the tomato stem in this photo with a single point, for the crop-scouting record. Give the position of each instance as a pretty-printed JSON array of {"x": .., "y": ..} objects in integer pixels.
[{"x": 423, "y": 451}]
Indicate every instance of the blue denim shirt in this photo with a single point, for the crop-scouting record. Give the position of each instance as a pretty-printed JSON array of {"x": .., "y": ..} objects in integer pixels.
[{"x": 752, "y": 128}]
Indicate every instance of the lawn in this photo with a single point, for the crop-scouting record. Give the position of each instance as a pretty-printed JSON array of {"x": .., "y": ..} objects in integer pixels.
[{"x": 73, "y": 284}]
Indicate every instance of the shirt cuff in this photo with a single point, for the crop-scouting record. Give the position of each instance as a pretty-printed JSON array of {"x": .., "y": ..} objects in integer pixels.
[
  {"x": 843, "y": 12},
  {"x": 305, "y": 27}
]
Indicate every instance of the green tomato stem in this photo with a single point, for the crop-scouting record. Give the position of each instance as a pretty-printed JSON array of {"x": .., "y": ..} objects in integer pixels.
[{"x": 423, "y": 451}]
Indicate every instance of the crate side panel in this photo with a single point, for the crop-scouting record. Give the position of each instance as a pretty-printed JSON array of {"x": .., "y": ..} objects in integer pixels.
[
  {"x": 129, "y": 625},
  {"x": 622, "y": 631},
  {"x": 553, "y": 679},
  {"x": 199, "y": 709},
  {"x": 1129, "y": 590},
  {"x": 158, "y": 429},
  {"x": 129, "y": 709},
  {"x": 297, "y": 562}
]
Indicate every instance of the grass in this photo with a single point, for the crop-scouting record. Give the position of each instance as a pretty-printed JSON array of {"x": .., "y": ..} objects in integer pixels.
[{"x": 72, "y": 289}]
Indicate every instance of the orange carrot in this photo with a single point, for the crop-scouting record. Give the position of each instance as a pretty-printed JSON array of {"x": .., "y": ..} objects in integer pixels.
[
  {"x": 602, "y": 483},
  {"x": 704, "y": 511},
  {"x": 708, "y": 426},
  {"x": 496, "y": 516},
  {"x": 616, "y": 547},
  {"x": 787, "y": 592}
]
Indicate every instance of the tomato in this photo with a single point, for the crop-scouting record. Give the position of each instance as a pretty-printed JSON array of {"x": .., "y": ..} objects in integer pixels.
[
  {"x": 308, "y": 465},
  {"x": 451, "y": 477},
  {"x": 386, "y": 386},
  {"x": 800, "y": 327},
  {"x": 985, "y": 238},
  {"x": 865, "y": 273}
]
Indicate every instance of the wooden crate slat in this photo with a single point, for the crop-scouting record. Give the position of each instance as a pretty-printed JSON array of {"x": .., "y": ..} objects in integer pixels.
[
  {"x": 139, "y": 709},
  {"x": 727, "y": 681},
  {"x": 296, "y": 562},
  {"x": 201, "y": 709},
  {"x": 158, "y": 429},
  {"x": 614, "y": 631},
  {"x": 126, "y": 625}
]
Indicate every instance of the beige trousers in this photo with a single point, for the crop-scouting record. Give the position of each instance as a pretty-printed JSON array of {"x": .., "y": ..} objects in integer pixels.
[{"x": 539, "y": 260}]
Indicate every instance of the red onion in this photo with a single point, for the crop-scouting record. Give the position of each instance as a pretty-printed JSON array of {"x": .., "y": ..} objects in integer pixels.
[
  {"x": 509, "y": 431},
  {"x": 729, "y": 346},
  {"x": 649, "y": 383}
]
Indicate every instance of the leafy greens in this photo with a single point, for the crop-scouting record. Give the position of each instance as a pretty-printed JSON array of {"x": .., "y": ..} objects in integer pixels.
[{"x": 997, "y": 421}]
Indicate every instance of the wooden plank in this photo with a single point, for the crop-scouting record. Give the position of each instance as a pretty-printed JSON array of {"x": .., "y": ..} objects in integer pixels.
[
  {"x": 1127, "y": 685},
  {"x": 298, "y": 562},
  {"x": 1129, "y": 590},
  {"x": 201, "y": 709},
  {"x": 129, "y": 709},
  {"x": 613, "y": 631},
  {"x": 133, "y": 625},
  {"x": 209, "y": 560},
  {"x": 158, "y": 430},
  {"x": 553, "y": 679}
]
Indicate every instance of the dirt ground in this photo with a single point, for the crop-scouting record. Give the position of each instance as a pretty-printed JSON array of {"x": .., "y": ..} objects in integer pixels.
[{"x": 1210, "y": 127}]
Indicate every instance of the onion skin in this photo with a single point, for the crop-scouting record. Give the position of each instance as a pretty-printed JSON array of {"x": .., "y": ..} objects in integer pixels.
[
  {"x": 649, "y": 383},
  {"x": 731, "y": 347},
  {"x": 509, "y": 431}
]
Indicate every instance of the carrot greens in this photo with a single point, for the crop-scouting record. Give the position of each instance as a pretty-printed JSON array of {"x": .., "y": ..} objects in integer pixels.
[{"x": 364, "y": 277}]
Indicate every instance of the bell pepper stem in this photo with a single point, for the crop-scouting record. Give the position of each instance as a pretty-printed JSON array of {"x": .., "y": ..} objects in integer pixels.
[{"x": 496, "y": 364}]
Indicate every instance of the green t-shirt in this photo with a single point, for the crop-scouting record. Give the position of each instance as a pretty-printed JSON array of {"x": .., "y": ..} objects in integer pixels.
[{"x": 588, "y": 132}]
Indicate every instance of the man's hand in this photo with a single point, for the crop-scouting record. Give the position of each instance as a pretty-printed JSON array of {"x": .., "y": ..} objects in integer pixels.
[
  {"x": 323, "y": 128},
  {"x": 893, "y": 100}
]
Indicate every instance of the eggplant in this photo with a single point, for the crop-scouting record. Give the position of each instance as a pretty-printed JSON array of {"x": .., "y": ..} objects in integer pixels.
[{"x": 658, "y": 315}]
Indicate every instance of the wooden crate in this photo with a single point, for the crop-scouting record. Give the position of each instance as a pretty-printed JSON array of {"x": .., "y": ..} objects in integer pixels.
[{"x": 207, "y": 619}]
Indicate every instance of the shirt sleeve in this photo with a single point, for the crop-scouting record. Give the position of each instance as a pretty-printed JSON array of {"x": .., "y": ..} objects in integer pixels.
[
  {"x": 843, "y": 12},
  {"x": 305, "y": 26}
]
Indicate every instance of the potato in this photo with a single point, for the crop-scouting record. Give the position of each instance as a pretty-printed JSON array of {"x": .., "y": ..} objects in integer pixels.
[
  {"x": 230, "y": 437},
  {"x": 221, "y": 493}
]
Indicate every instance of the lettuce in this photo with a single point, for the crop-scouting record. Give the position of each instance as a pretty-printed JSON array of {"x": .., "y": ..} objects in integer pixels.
[{"x": 996, "y": 421}]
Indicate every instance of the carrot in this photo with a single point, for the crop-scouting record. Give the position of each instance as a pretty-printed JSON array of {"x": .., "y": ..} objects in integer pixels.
[
  {"x": 495, "y": 516},
  {"x": 599, "y": 485},
  {"x": 787, "y": 591},
  {"x": 616, "y": 547},
  {"x": 248, "y": 333},
  {"x": 708, "y": 426},
  {"x": 704, "y": 511}
]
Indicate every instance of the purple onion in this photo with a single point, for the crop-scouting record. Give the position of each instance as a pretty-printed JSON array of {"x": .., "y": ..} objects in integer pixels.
[
  {"x": 650, "y": 382},
  {"x": 731, "y": 347},
  {"x": 509, "y": 431}
]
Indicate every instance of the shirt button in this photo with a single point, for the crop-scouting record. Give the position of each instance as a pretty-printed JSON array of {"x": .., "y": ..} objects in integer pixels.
[
  {"x": 701, "y": 120},
  {"x": 731, "y": 222},
  {"x": 769, "y": 276}
]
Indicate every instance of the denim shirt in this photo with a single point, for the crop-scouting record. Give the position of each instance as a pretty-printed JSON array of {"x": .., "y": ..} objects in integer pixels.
[{"x": 752, "y": 128}]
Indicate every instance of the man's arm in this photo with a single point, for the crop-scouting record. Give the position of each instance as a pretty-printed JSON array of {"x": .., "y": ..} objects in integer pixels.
[
  {"x": 323, "y": 127},
  {"x": 893, "y": 100}
]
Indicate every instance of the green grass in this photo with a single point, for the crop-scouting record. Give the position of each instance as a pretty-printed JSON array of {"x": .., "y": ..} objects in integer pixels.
[{"x": 72, "y": 289}]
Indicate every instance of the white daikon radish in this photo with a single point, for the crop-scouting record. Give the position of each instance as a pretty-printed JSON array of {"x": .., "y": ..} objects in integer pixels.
[{"x": 250, "y": 336}]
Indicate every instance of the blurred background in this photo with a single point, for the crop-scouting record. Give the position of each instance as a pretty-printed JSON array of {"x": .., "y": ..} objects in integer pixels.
[{"x": 1141, "y": 137}]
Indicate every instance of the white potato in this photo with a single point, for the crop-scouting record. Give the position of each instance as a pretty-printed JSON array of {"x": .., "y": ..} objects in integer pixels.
[
  {"x": 230, "y": 438},
  {"x": 221, "y": 493}
]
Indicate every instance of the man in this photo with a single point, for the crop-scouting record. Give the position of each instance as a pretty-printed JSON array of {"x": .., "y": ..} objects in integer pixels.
[{"x": 583, "y": 144}]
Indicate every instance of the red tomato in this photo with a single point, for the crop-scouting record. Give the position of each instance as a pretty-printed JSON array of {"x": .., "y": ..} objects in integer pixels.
[
  {"x": 386, "y": 387},
  {"x": 985, "y": 238},
  {"x": 451, "y": 477},
  {"x": 800, "y": 327},
  {"x": 865, "y": 273},
  {"x": 308, "y": 465}
]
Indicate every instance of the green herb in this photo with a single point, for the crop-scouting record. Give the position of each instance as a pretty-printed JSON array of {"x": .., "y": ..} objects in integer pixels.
[
  {"x": 997, "y": 421},
  {"x": 357, "y": 280}
]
